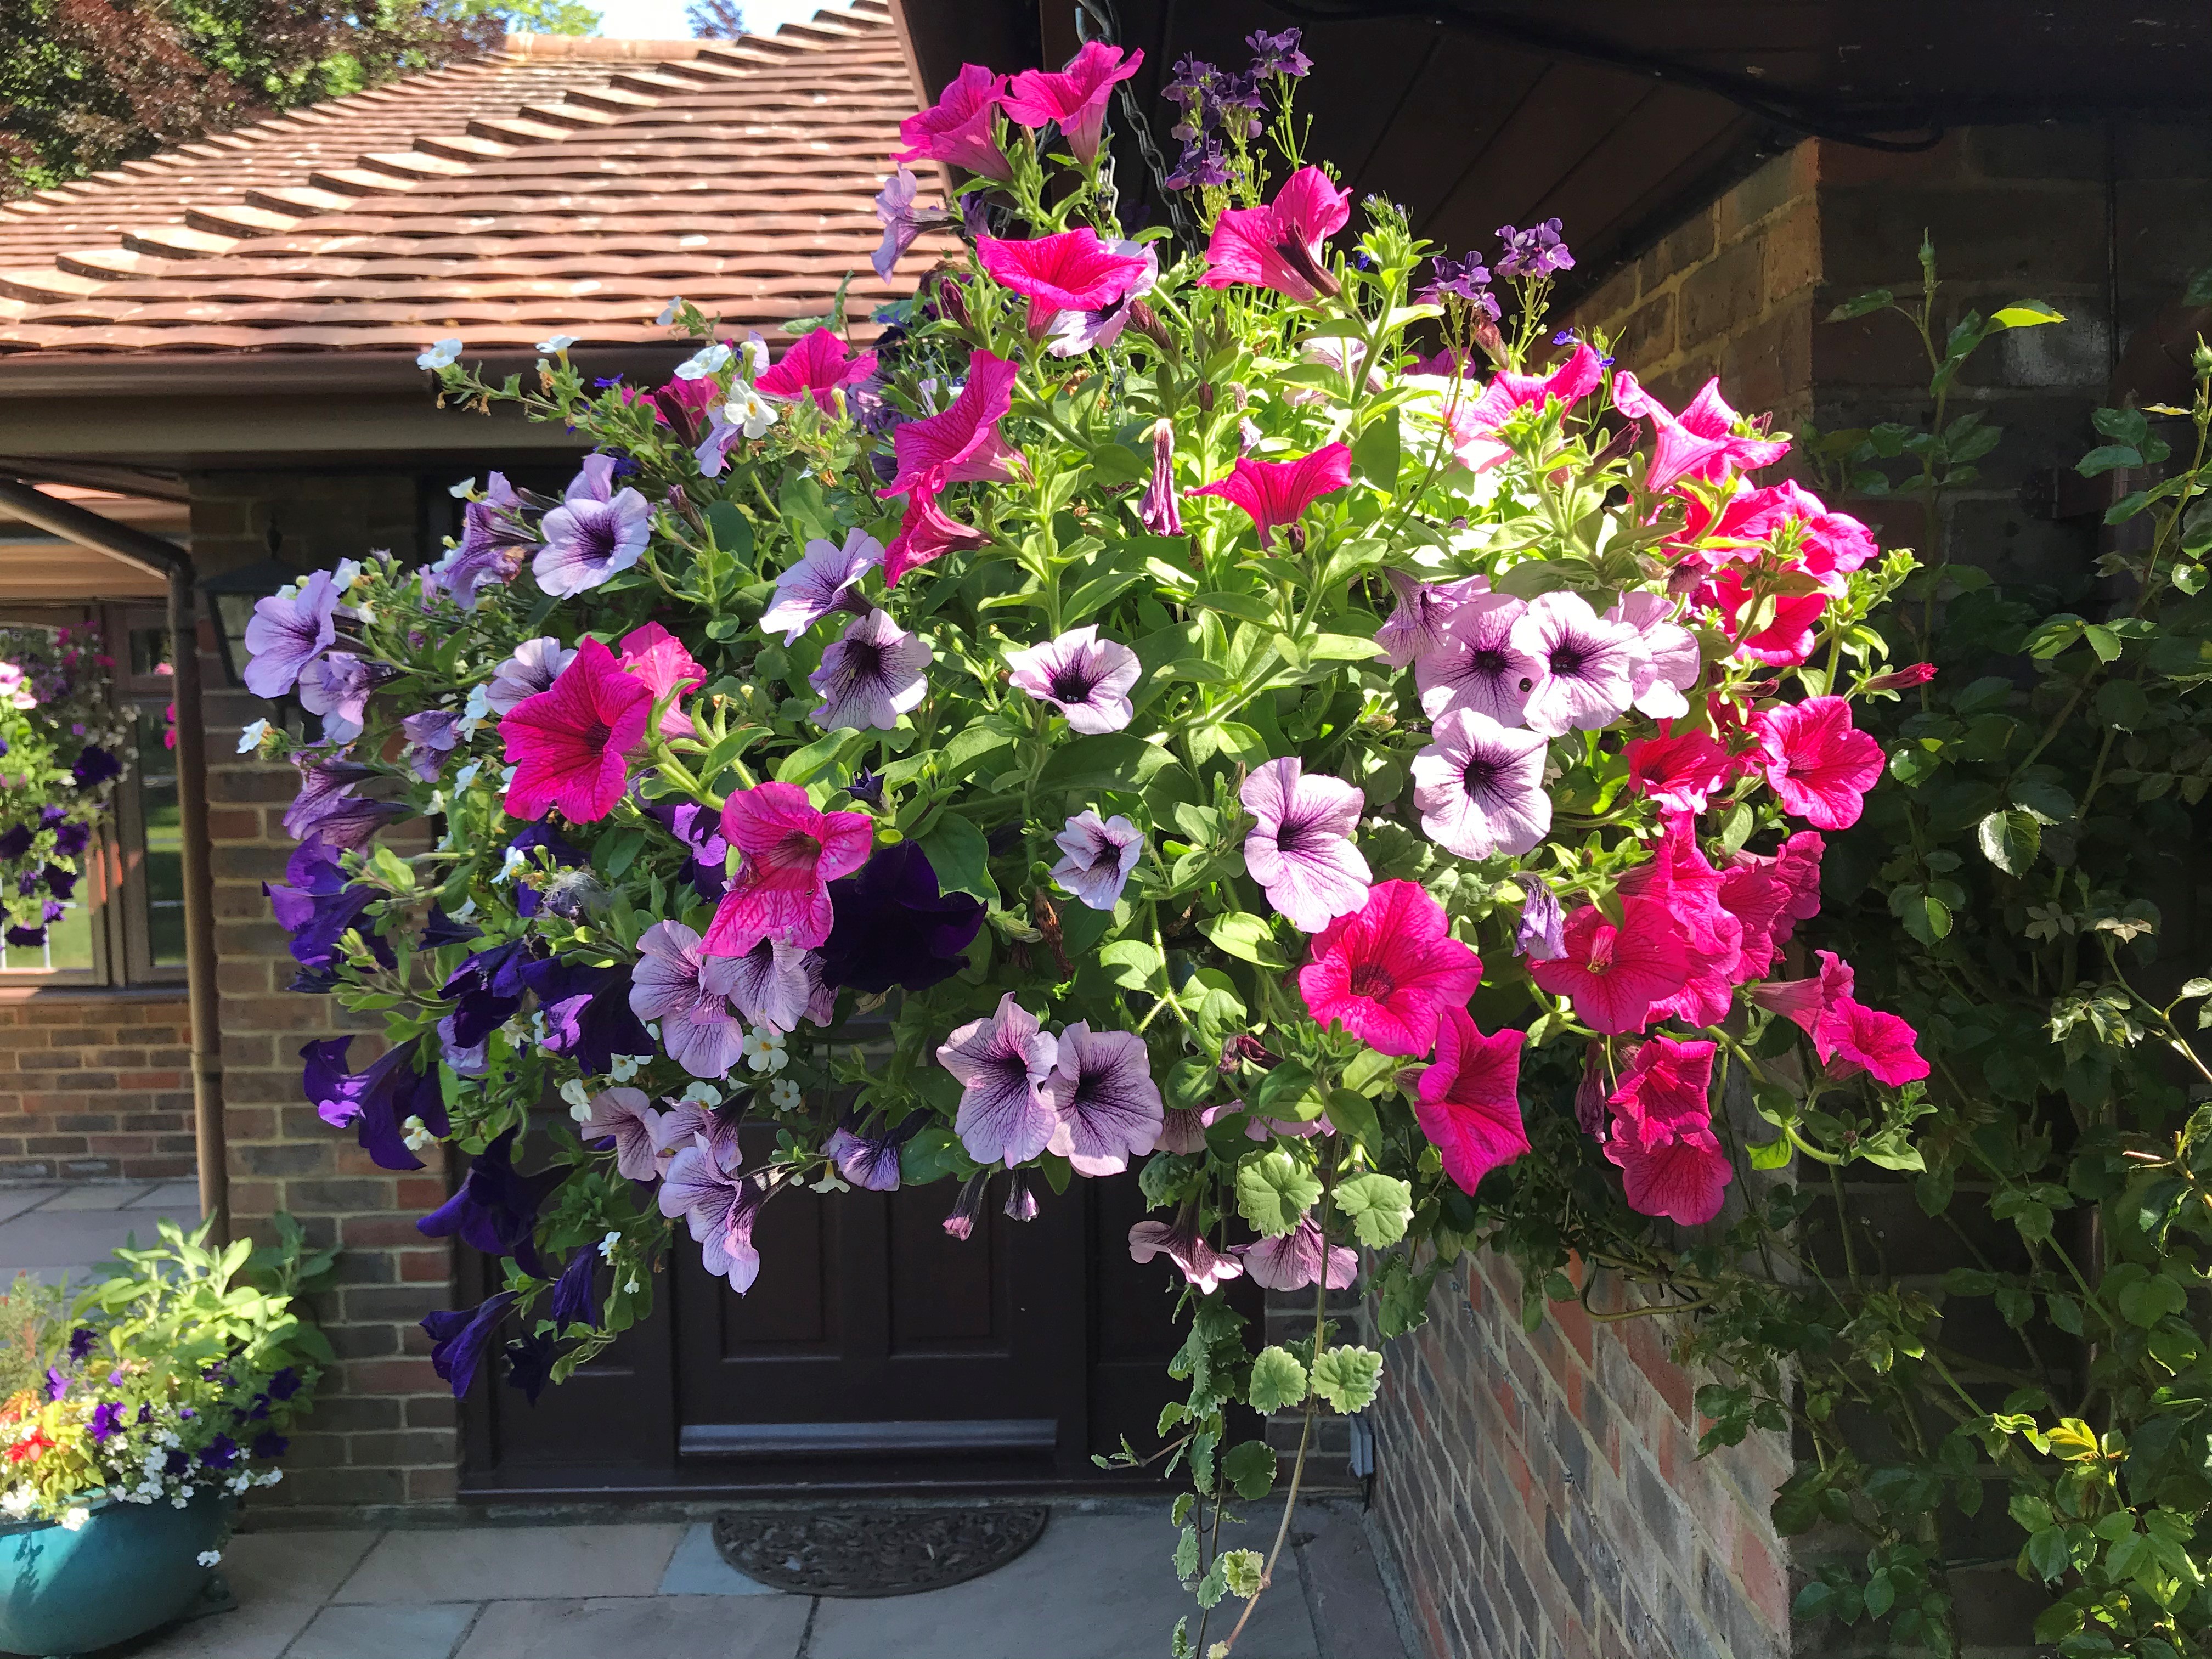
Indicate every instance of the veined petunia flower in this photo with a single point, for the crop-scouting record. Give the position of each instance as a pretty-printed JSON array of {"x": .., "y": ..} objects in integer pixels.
[
  {"x": 824, "y": 580},
  {"x": 285, "y": 635},
  {"x": 1784, "y": 638},
  {"x": 1276, "y": 493},
  {"x": 1156, "y": 510},
  {"x": 626, "y": 1117},
  {"x": 1804, "y": 1002},
  {"x": 871, "y": 676},
  {"x": 689, "y": 995},
  {"x": 1681, "y": 770},
  {"x": 1300, "y": 846},
  {"x": 430, "y": 737},
  {"x": 1540, "y": 934},
  {"x": 1415, "y": 629},
  {"x": 820, "y": 366},
  {"x": 1671, "y": 1163},
  {"x": 534, "y": 666},
  {"x": 776, "y": 985},
  {"x": 1477, "y": 663},
  {"x": 957, "y": 127},
  {"x": 659, "y": 658},
  {"x": 1278, "y": 246},
  {"x": 1469, "y": 1104},
  {"x": 1098, "y": 856},
  {"x": 597, "y": 532},
  {"x": 1851, "y": 1037},
  {"x": 1296, "y": 1259},
  {"x": 1074, "y": 99},
  {"x": 1679, "y": 877},
  {"x": 1087, "y": 679},
  {"x": 871, "y": 1161},
  {"x": 1072, "y": 332},
  {"x": 1389, "y": 972},
  {"x": 1203, "y": 1267},
  {"x": 717, "y": 1204},
  {"x": 494, "y": 541},
  {"x": 570, "y": 744},
  {"x": 894, "y": 927},
  {"x": 1819, "y": 765},
  {"x": 1588, "y": 678},
  {"x": 903, "y": 222},
  {"x": 791, "y": 852},
  {"x": 1108, "y": 1108},
  {"x": 1479, "y": 787},
  {"x": 926, "y": 533},
  {"x": 336, "y": 685},
  {"x": 1001, "y": 1063},
  {"x": 963, "y": 442},
  {"x": 1664, "y": 658},
  {"x": 1070, "y": 270},
  {"x": 1614, "y": 975}
]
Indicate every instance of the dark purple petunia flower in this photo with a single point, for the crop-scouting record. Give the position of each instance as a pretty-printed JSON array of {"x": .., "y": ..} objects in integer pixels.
[
  {"x": 28, "y": 937},
  {"x": 61, "y": 882},
  {"x": 284, "y": 1384},
  {"x": 51, "y": 817},
  {"x": 218, "y": 1452},
  {"x": 94, "y": 766},
  {"x": 317, "y": 905},
  {"x": 81, "y": 1343},
  {"x": 377, "y": 1101},
  {"x": 176, "y": 1464},
  {"x": 487, "y": 990},
  {"x": 573, "y": 1301},
  {"x": 1542, "y": 935},
  {"x": 871, "y": 1161},
  {"x": 71, "y": 839},
  {"x": 16, "y": 842},
  {"x": 287, "y": 634},
  {"x": 459, "y": 1337},
  {"x": 701, "y": 831},
  {"x": 107, "y": 1420},
  {"x": 495, "y": 1209},
  {"x": 892, "y": 926},
  {"x": 559, "y": 854},
  {"x": 530, "y": 1364},
  {"x": 587, "y": 1013},
  {"x": 442, "y": 929},
  {"x": 269, "y": 1445}
]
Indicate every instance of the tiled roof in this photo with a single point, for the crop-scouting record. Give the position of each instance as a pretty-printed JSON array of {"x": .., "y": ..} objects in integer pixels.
[{"x": 569, "y": 186}]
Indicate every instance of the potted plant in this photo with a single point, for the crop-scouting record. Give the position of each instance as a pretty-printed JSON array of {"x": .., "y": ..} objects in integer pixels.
[{"x": 161, "y": 1402}]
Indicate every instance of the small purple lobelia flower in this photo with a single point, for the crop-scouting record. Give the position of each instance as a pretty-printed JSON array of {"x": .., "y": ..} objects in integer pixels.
[
  {"x": 1099, "y": 854},
  {"x": 1087, "y": 679},
  {"x": 1479, "y": 786},
  {"x": 1101, "y": 1090},
  {"x": 1001, "y": 1063},
  {"x": 336, "y": 685},
  {"x": 689, "y": 994},
  {"x": 1300, "y": 848},
  {"x": 1479, "y": 663},
  {"x": 1589, "y": 664},
  {"x": 625, "y": 1117},
  {"x": 597, "y": 532},
  {"x": 285, "y": 635},
  {"x": 1542, "y": 935},
  {"x": 534, "y": 666},
  {"x": 1294, "y": 1261},
  {"x": 871, "y": 1161},
  {"x": 873, "y": 675},
  {"x": 1202, "y": 1265},
  {"x": 821, "y": 582}
]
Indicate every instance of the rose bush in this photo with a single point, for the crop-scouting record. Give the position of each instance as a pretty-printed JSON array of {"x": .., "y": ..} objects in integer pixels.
[{"x": 1230, "y": 709}]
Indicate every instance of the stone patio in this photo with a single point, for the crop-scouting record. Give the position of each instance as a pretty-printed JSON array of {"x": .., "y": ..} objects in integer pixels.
[{"x": 58, "y": 1232}]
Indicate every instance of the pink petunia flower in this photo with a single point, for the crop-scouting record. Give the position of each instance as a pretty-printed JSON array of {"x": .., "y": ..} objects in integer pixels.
[
  {"x": 1679, "y": 878},
  {"x": 870, "y": 675},
  {"x": 1278, "y": 246},
  {"x": 659, "y": 658},
  {"x": 1072, "y": 332},
  {"x": 1671, "y": 1163},
  {"x": 689, "y": 994},
  {"x": 1784, "y": 638},
  {"x": 820, "y": 366},
  {"x": 1388, "y": 972},
  {"x": 1614, "y": 975},
  {"x": 1101, "y": 1090},
  {"x": 1681, "y": 770},
  {"x": 927, "y": 534},
  {"x": 570, "y": 744},
  {"x": 1295, "y": 1260},
  {"x": 1589, "y": 664},
  {"x": 824, "y": 580},
  {"x": 1415, "y": 629},
  {"x": 1851, "y": 1037},
  {"x": 1001, "y": 1063},
  {"x": 1703, "y": 443},
  {"x": 1300, "y": 847},
  {"x": 957, "y": 127},
  {"x": 1478, "y": 664},
  {"x": 1276, "y": 493},
  {"x": 1096, "y": 857},
  {"x": 1072, "y": 270},
  {"x": 1819, "y": 765},
  {"x": 1804, "y": 1001},
  {"x": 625, "y": 1117},
  {"x": 1073, "y": 100},
  {"x": 1202, "y": 1265},
  {"x": 1664, "y": 658},
  {"x": 1087, "y": 679},
  {"x": 1473, "y": 425},
  {"x": 1824, "y": 544},
  {"x": 1470, "y": 1100},
  {"x": 790, "y": 853},
  {"x": 939, "y": 449},
  {"x": 1479, "y": 787}
]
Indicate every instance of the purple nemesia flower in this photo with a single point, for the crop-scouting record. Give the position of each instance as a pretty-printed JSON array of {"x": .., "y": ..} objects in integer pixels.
[
  {"x": 689, "y": 994},
  {"x": 1588, "y": 678},
  {"x": 1021, "y": 1203},
  {"x": 1099, "y": 854},
  {"x": 1535, "y": 252},
  {"x": 530, "y": 1361},
  {"x": 1294, "y": 1261},
  {"x": 774, "y": 984},
  {"x": 892, "y": 926},
  {"x": 285, "y": 635},
  {"x": 534, "y": 666},
  {"x": 1479, "y": 786},
  {"x": 824, "y": 581},
  {"x": 901, "y": 220},
  {"x": 430, "y": 734},
  {"x": 1201, "y": 1264},
  {"x": 218, "y": 1452},
  {"x": 870, "y": 675},
  {"x": 573, "y": 1301},
  {"x": 1074, "y": 331},
  {"x": 624, "y": 1116},
  {"x": 1203, "y": 163},
  {"x": 1101, "y": 1089},
  {"x": 871, "y": 1161},
  {"x": 458, "y": 1338},
  {"x": 1086, "y": 678},
  {"x": 1300, "y": 847},
  {"x": 1278, "y": 54},
  {"x": 597, "y": 532},
  {"x": 587, "y": 1013},
  {"x": 1001, "y": 1063},
  {"x": 1542, "y": 935},
  {"x": 1481, "y": 664},
  {"x": 495, "y": 1209},
  {"x": 961, "y": 1223},
  {"x": 106, "y": 1419},
  {"x": 269, "y": 1445},
  {"x": 1664, "y": 658},
  {"x": 337, "y": 686},
  {"x": 1466, "y": 279}
]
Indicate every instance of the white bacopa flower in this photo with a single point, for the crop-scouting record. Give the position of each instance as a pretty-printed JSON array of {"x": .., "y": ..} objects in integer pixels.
[
  {"x": 19, "y": 1502},
  {"x": 703, "y": 362},
  {"x": 506, "y": 776},
  {"x": 211, "y": 1557},
  {"x": 705, "y": 1093},
  {"x": 752, "y": 411},
  {"x": 516, "y": 862},
  {"x": 607, "y": 1244},
  {"x": 347, "y": 574},
  {"x": 467, "y": 912},
  {"x": 443, "y": 355},
  {"x": 783, "y": 1094},
  {"x": 579, "y": 1098},
  {"x": 75, "y": 1516},
  {"x": 417, "y": 1134},
  {"x": 556, "y": 343},
  {"x": 763, "y": 1049},
  {"x": 623, "y": 1067},
  {"x": 630, "y": 1288},
  {"x": 463, "y": 490},
  {"x": 365, "y": 613},
  {"x": 668, "y": 312},
  {"x": 252, "y": 736},
  {"x": 467, "y": 774}
]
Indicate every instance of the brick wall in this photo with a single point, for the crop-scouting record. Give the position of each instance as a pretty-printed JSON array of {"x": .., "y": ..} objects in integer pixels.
[{"x": 95, "y": 1084}]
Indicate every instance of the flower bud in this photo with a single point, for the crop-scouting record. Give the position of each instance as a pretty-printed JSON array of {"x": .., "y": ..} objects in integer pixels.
[
  {"x": 1919, "y": 674},
  {"x": 1491, "y": 342},
  {"x": 1157, "y": 511}
]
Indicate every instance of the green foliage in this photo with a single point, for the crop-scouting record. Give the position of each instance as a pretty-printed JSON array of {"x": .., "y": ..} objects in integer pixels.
[{"x": 32, "y": 1330}]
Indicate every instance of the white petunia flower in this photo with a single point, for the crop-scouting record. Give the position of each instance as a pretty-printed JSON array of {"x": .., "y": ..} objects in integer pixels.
[
  {"x": 703, "y": 362},
  {"x": 250, "y": 738},
  {"x": 557, "y": 342},
  {"x": 443, "y": 355}
]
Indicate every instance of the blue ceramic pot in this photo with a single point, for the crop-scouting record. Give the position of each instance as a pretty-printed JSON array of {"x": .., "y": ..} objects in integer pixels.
[{"x": 130, "y": 1568}]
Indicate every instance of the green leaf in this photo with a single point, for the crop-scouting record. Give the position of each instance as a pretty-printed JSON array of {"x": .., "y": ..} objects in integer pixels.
[
  {"x": 1135, "y": 964},
  {"x": 1774, "y": 1155},
  {"x": 1186, "y": 1555},
  {"x": 1113, "y": 760},
  {"x": 2042, "y": 799},
  {"x": 2048, "y": 1555},
  {"x": 1861, "y": 305},
  {"x": 2023, "y": 313},
  {"x": 802, "y": 766},
  {"x": 1283, "y": 1091},
  {"x": 1243, "y": 1569},
  {"x": 1250, "y": 1468},
  {"x": 2010, "y": 841},
  {"x": 1375, "y": 452},
  {"x": 1379, "y": 1206},
  {"x": 1118, "y": 464},
  {"x": 1248, "y": 606},
  {"x": 2122, "y": 703},
  {"x": 1273, "y": 1190},
  {"x": 1244, "y": 936},
  {"x": 1348, "y": 1378},
  {"x": 1278, "y": 1381},
  {"x": 1354, "y": 1115},
  {"x": 961, "y": 856},
  {"x": 2147, "y": 1301},
  {"x": 732, "y": 532},
  {"x": 2199, "y": 291},
  {"x": 2106, "y": 457}
]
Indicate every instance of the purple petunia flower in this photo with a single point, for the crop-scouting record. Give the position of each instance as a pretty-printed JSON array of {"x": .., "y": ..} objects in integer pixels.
[
  {"x": 530, "y": 1359},
  {"x": 494, "y": 539},
  {"x": 871, "y": 1161},
  {"x": 824, "y": 580},
  {"x": 1542, "y": 935},
  {"x": 1300, "y": 847},
  {"x": 430, "y": 735},
  {"x": 486, "y": 991},
  {"x": 1102, "y": 1090},
  {"x": 689, "y": 994},
  {"x": 94, "y": 766},
  {"x": 1589, "y": 664},
  {"x": 376, "y": 1101},
  {"x": 587, "y": 1013},
  {"x": 777, "y": 985},
  {"x": 337, "y": 686},
  {"x": 285, "y": 635},
  {"x": 269, "y": 1445},
  {"x": 458, "y": 1338},
  {"x": 534, "y": 666},
  {"x": 1087, "y": 679},
  {"x": 284, "y": 1384},
  {"x": 218, "y": 1452},
  {"x": 16, "y": 841},
  {"x": 1479, "y": 786},
  {"x": 1001, "y": 1063},
  {"x": 1099, "y": 856},
  {"x": 1415, "y": 630},
  {"x": 902, "y": 223},
  {"x": 624, "y": 1116},
  {"x": 82, "y": 1342},
  {"x": 28, "y": 937},
  {"x": 495, "y": 1209},
  {"x": 1202, "y": 1265},
  {"x": 717, "y": 1204},
  {"x": 699, "y": 828},
  {"x": 961, "y": 1223},
  {"x": 871, "y": 676},
  {"x": 892, "y": 926},
  {"x": 57, "y": 1383},
  {"x": 318, "y": 905},
  {"x": 71, "y": 839},
  {"x": 1481, "y": 664},
  {"x": 573, "y": 1301},
  {"x": 597, "y": 532},
  {"x": 1159, "y": 509},
  {"x": 326, "y": 804},
  {"x": 1294, "y": 1261}
]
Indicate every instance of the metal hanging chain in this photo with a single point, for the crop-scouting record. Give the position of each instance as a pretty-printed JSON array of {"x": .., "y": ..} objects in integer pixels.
[{"x": 1098, "y": 19}]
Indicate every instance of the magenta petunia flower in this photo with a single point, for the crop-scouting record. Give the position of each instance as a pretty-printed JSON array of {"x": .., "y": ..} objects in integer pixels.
[
  {"x": 1086, "y": 678},
  {"x": 1671, "y": 1163},
  {"x": 597, "y": 532},
  {"x": 1473, "y": 425},
  {"x": 1665, "y": 660},
  {"x": 777, "y": 985},
  {"x": 819, "y": 366},
  {"x": 1276, "y": 493},
  {"x": 1074, "y": 332},
  {"x": 625, "y": 1117},
  {"x": 1001, "y": 1063},
  {"x": 1098, "y": 855},
  {"x": 903, "y": 222},
  {"x": 1415, "y": 630},
  {"x": 1101, "y": 1090},
  {"x": 1479, "y": 787},
  {"x": 1300, "y": 847},
  {"x": 1819, "y": 765},
  {"x": 940, "y": 449},
  {"x": 791, "y": 852},
  {"x": 1681, "y": 770},
  {"x": 1806, "y": 1001},
  {"x": 689, "y": 994},
  {"x": 1703, "y": 443},
  {"x": 1679, "y": 878},
  {"x": 1073, "y": 100},
  {"x": 1477, "y": 663},
  {"x": 824, "y": 580},
  {"x": 659, "y": 658},
  {"x": 925, "y": 534},
  {"x": 1470, "y": 1100},
  {"x": 957, "y": 127},
  {"x": 1614, "y": 975},
  {"x": 1587, "y": 680},
  {"x": 1851, "y": 1037},
  {"x": 534, "y": 666},
  {"x": 1071, "y": 271},
  {"x": 570, "y": 744},
  {"x": 1784, "y": 638},
  {"x": 1203, "y": 1267},
  {"x": 1388, "y": 972},
  {"x": 1278, "y": 246},
  {"x": 285, "y": 635},
  {"x": 871, "y": 676},
  {"x": 1296, "y": 1259}
]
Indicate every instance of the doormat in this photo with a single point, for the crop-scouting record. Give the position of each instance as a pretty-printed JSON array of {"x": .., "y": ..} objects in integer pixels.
[{"x": 879, "y": 1552}]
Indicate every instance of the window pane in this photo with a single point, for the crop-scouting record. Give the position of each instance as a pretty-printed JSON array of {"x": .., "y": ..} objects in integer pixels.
[
  {"x": 68, "y": 947},
  {"x": 150, "y": 651},
  {"x": 165, "y": 867}
]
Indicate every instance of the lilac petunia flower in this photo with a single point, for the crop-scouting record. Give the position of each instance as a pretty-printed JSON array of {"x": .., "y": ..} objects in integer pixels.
[
  {"x": 1479, "y": 787},
  {"x": 495, "y": 1209},
  {"x": 458, "y": 1338},
  {"x": 597, "y": 532},
  {"x": 1293, "y": 1261},
  {"x": 286, "y": 634},
  {"x": 1300, "y": 849},
  {"x": 871, "y": 1161},
  {"x": 1202, "y": 1265},
  {"x": 1101, "y": 1090},
  {"x": 534, "y": 666},
  {"x": 821, "y": 582},
  {"x": 689, "y": 994},
  {"x": 494, "y": 539},
  {"x": 1087, "y": 679},
  {"x": 718, "y": 1205},
  {"x": 902, "y": 223},
  {"x": 1415, "y": 630},
  {"x": 1075, "y": 331},
  {"x": 774, "y": 984},
  {"x": 430, "y": 735},
  {"x": 1587, "y": 680},
  {"x": 1099, "y": 856},
  {"x": 327, "y": 807},
  {"x": 1664, "y": 658},
  {"x": 1542, "y": 935},
  {"x": 1001, "y": 1063},
  {"x": 337, "y": 686},
  {"x": 870, "y": 675},
  {"x": 1481, "y": 664},
  {"x": 624, "y": 1116}
]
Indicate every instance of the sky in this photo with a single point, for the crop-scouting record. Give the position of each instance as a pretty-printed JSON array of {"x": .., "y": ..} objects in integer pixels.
[{"x": 663, "y": 20}]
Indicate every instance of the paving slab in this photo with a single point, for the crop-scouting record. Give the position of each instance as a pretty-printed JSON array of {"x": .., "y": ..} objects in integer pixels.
[
  {"x": 513, "y": 1563},
  {"x": 697, "y": 1568},
  {"x": 177, "y": 1200},
  {"x": 257, "y": 1631},
  {"x": 292, "y": 1566},
  {"x": 14, "y": 1201},
  {"x": 1094, "y": 1587},
  {"x": 384, "y": 1633},
  {"x": 47, "y": 1237},
  {"x": 99, "y": 1195},
  {"x": 692, "y": 1627},
  {"x": 1350, "y": 1611}
]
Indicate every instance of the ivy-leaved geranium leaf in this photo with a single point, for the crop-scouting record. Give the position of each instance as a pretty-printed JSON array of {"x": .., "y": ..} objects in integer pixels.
[
  {"x": 1243, "y": 1569},
  {"x": 1249, "y": 1467},
  {"x": 1348, "y": 1378},
  {"x": 1379, "y": 1206},
  {"x": 1278, "y": 1381},
  {"x": 1186, "y": 1556},
  {"x": 1273, "y": 1190}
]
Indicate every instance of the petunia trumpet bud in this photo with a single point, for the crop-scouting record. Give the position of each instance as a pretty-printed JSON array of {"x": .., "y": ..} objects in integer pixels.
[
  {"x": 1146, "y": 322},
  {"x": 1157, "y": 511},
  {"x": 1898, "y": 679},
  {"x": 1205, "y": 397},
  {"x": 1491, "y": 342},
  {"x": 966, "y": 1208},
  {"x": 1625, "y": 439},
  {"x": 1021, "y": 1197}
]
